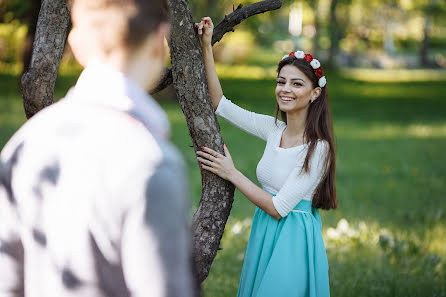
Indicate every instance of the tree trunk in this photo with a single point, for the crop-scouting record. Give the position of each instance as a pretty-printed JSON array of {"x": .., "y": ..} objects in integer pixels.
[
  {"x": 49, "y": 43},
  {"x": 314, "y": 6},
  {"x": 189, "y": 78},
  {"x": 424, "y": 49},
  {"x": 334, "y": 35}
]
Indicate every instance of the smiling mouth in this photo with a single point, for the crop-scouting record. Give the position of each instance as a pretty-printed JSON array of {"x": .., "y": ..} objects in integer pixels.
[{"x": 286, "y": 99}]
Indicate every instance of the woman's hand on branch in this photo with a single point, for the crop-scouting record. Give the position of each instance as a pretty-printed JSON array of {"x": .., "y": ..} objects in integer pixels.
[
  {"x": 221, "y": 165},
  {"x": 205, "y": 30}
]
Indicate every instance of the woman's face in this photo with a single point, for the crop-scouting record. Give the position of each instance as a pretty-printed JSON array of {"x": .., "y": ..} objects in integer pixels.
[{"x": 294, "y": 90}]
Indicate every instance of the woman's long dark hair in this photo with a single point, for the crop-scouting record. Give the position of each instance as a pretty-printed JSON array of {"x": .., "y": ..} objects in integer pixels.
[{"x": 318, "y": 126}]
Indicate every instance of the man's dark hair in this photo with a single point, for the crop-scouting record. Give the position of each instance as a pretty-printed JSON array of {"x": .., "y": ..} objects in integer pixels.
[{"x": 120, "y": 22}]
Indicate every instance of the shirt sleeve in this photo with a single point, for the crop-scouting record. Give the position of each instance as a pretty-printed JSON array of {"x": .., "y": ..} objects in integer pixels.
[
  {"x": 259, "y": 125},
  {"x": 301, "y": 184}
]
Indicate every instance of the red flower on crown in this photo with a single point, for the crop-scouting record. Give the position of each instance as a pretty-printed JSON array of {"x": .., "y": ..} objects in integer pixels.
[
  {"x": 308, "y": 57},
  {"x": 291, "y": 54},
  {"x": 319, "y": 73}
]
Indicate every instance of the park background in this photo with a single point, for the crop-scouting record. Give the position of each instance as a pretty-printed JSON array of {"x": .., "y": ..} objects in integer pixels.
[{"x": 385, "y": 63}]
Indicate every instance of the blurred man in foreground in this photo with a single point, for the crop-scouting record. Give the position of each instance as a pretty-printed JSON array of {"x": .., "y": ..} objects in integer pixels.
[{"x": 93, "y": 199}]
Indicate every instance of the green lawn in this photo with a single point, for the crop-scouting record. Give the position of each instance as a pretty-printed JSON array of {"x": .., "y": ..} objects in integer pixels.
[{"x": 388, "y": 236}]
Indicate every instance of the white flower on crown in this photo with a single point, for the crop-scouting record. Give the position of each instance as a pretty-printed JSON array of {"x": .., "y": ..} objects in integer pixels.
[
  {"x": 322, "y": 82},
  {"x": 315, "y": 64},
  {"x": 284, "y": 57},
  {"x": 299, "y": 54}
]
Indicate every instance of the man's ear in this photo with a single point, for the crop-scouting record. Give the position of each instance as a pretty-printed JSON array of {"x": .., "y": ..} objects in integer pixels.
[
  {"x": 79, "y": 48},
  {"x": 163, "y": 31}
]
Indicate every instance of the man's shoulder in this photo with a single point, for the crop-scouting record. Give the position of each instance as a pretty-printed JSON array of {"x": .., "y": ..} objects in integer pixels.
[{"x": 68, "y": 128}]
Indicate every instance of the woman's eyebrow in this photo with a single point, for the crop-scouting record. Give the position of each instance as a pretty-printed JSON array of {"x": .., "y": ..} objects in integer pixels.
[{"x": 291, "y": 78}]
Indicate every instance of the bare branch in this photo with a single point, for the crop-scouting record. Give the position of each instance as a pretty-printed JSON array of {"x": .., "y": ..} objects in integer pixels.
[
  {"x": 240, "y": 14},
  {"x": 227, "y": 25}
]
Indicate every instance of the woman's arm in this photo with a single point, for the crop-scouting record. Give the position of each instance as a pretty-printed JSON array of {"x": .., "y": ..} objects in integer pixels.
[
  {"x": 224, "y": 167},
  {"x": 205, "y": 30},
  {"x": 259, "y": 125},
  {"x": 254, "y": 193}
]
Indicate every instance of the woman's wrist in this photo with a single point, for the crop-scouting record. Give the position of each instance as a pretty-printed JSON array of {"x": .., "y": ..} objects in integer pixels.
[
  {"x": 234, "y": 176},
  {"x": 207, "y": 49}
]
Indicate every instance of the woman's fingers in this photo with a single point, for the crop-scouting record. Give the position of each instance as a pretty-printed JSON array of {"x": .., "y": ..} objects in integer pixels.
[
  {"x": 207, "y": 20},
  {"x": 199, "y": 26},
  {"x": 208, "y": 168},
  {"x": 205, "y": 161},
  {"x": 227, "y": 154},
  {"x": 207, "y": 156},
  {"x": 210, "y": 151}
]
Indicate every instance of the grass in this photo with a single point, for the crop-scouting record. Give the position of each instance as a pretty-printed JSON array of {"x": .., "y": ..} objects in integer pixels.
[{"x": 388, "y": 236}]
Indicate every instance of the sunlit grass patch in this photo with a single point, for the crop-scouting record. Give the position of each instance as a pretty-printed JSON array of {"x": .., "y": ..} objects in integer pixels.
[
  {"x": 392, "y": 262},
  {"x": 379, "y": 130},
  {"x": 10, "y": 68},
  {"x": 392, "y": 76},
  {"x": 245, "y": 71}
]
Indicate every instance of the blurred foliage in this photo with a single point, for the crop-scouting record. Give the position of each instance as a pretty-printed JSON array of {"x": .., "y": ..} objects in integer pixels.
[
  {"x": 12, "y": 36},
  {"x": 14, "y": 10},
  {"x": 370, "y": 33}
]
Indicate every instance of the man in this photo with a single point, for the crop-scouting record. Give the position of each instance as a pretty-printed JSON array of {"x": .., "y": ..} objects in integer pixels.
[{"x": 93, "y": 200}]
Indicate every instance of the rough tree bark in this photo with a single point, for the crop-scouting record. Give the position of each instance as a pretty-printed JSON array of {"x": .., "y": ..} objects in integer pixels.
[
  {"x": 189, "y": 78},
  {"x": 49, "y": 42}
]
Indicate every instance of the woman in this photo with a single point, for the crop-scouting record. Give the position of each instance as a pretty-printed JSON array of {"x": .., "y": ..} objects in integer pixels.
[{"x": 285, "y": 255}]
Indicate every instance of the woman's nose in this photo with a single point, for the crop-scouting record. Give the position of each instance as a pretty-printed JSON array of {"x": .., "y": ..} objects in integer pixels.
[{"x": 286, "y": 87}]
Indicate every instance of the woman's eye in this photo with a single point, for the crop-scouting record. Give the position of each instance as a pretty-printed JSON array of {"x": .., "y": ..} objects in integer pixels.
[
  {"x": 280, "y": 82},
  {"x": 297, "y": 84}
]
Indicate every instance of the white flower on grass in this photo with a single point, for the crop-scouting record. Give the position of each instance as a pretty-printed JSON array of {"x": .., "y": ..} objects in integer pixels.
[
  {"x": 247, "y": 222},
  {"x": 237, "y": 228},
  {"x": 322, "y": 82},
  {"x": 315, "y": 64},
  {"x": 342, "y": 226},
  {"x": 362, "y": 226},
  {"x": 332, "y": 233},
  {"x": 299, "y": 54}
]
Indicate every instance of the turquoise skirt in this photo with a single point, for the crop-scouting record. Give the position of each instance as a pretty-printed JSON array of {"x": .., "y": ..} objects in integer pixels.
[{"x": 286, "y": 257}]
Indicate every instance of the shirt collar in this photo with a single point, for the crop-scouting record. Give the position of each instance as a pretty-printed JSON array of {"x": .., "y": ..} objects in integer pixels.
[{"x": 100, "y": 84}]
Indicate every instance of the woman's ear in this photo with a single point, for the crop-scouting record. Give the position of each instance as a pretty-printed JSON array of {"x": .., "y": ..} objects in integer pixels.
[{"x": 315, "y": 93}]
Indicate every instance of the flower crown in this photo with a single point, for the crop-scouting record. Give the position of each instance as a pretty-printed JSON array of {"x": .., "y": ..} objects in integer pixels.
[{"x": 313, "y": 62}]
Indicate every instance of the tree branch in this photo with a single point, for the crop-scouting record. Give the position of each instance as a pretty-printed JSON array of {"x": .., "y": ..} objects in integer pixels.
[
  {"x": 227, "y": 25},
  {"x": 240, "y": 14}
]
